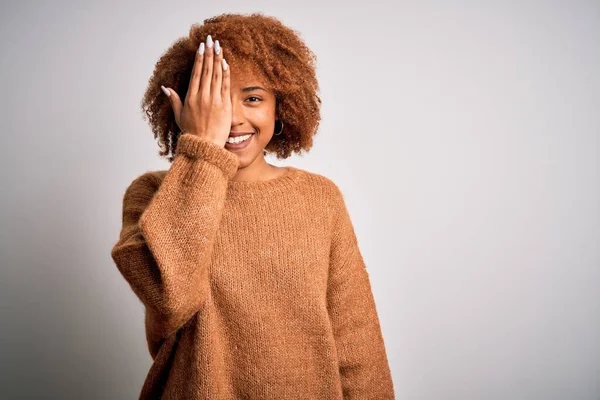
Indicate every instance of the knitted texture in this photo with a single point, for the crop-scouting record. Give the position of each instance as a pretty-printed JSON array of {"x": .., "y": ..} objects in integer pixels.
[{"x": 252, "y": 290}]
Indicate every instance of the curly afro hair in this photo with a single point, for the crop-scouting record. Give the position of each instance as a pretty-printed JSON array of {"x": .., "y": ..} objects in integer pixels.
[{"x": 254, "y": 42}]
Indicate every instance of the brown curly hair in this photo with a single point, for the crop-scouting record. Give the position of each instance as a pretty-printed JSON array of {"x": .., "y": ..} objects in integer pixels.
[{"x": 254, "y": 42}]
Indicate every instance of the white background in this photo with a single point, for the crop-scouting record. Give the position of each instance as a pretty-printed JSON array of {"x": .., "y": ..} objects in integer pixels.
[{"x": 464, "y": 135}]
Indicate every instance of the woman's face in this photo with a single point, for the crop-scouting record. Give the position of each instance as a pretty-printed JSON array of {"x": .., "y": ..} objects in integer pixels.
[{"x": 253, "y": 111}]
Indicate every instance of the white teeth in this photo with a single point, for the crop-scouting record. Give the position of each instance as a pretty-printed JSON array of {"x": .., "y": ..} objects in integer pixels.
[{"x": 238, "y": 139}]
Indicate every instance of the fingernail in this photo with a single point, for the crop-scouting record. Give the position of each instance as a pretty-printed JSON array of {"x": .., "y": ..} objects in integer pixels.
[
  {"x": 165, "y": 90},
  {"x": 201, "y": 48},
  {"x": 217, "y": 47},
  {"x": 225, "y": 66},
  {"x": 209, "y": 42}
]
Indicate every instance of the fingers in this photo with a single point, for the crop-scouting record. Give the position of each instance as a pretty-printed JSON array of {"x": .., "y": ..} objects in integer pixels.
[
  {"x": 217, "y": 72},
  {"x": 210, "y": 78},
  {"x": 175, "y": 102},
  {"x": 207, "y": 69},
  {"x": 225, "y": 84},
  {"x": 193, "y": 87}
]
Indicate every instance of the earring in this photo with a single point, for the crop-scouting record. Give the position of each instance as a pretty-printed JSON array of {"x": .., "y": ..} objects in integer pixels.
[{"x": 281, "y": 130}]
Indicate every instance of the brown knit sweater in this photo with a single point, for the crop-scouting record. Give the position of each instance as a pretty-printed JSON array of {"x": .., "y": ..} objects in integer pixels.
[{"x": 252, "y": 290}]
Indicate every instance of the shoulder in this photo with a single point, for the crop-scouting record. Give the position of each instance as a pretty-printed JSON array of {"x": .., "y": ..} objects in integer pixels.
[
  {"x": 327, "y": 191},
  {"x": 317, "y": 180},
  {"x": 145, "y": 184}
]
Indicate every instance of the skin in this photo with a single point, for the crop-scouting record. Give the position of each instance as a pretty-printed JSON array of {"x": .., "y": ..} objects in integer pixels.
[
  {"x": 253, "y": 110},
  {"x": 221, "y": 100}
]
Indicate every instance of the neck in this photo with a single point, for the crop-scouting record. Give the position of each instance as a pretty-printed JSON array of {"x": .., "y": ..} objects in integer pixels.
[{"x": 258, "y": 170}]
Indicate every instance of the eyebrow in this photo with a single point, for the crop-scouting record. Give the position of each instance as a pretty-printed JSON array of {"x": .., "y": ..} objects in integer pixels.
[{"x": 251, "y": 88}]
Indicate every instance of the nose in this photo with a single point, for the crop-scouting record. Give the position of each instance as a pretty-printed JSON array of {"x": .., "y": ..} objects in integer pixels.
[{"x": 237, "y": 116}]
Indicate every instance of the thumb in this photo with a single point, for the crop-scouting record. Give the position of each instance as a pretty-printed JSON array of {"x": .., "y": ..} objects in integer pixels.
[{"x": 175, "y": 102}]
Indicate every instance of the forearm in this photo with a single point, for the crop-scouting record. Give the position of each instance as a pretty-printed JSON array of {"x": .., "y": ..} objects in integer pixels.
[
  {"x": 363, "y": 364},
  {"x": 168, "y": 233}
]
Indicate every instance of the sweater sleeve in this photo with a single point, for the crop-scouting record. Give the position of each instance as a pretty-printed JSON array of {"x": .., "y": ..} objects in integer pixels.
[
  {"x": 168, "y": 231},
  {"x": 363, "y": 363}
]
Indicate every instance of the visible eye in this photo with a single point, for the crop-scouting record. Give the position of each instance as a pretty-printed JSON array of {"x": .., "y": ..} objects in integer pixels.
[{"x": 253, "y": 97}]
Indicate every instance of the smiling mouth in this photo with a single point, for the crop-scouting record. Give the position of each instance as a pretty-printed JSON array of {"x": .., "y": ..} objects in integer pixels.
[
  {"x": 245, "y": 140},
  {"x": 239, "y": 138}
]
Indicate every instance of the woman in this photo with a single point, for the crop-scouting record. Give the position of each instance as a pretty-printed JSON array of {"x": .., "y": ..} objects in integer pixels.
[{"x": 252, "y": 280}]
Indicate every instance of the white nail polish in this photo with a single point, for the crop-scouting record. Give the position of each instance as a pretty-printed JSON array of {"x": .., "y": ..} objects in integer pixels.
[
  {"x": 225, "y": 66},
  {"x": 217, "y": 47},
  {"x": 209, "y": 42},
  {"x": 201, "y": 48},
  {"x": 165, "y": 90}
]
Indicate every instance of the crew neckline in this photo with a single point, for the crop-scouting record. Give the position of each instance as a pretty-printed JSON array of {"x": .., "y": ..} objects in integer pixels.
[{"x": 267, "y": 187}]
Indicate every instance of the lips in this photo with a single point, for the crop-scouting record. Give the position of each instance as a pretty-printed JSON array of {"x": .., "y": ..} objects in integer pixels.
[
  {"x": 236, "y": 134},
  {"x": 239, "y": 146}
]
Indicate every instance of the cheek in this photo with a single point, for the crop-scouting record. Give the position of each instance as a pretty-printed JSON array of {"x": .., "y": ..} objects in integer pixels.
[{"x": 264, "y": 117}]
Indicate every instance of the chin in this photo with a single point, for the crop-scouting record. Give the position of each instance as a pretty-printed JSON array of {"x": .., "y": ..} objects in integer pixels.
[{"x": 246, "y": 159}]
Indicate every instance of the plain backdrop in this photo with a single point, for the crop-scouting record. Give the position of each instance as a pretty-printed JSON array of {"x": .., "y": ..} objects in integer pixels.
[{"x": 464, "y": 135}]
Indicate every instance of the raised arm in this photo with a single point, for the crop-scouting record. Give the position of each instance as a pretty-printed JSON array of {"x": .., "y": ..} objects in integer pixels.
[
  {"x": 363, "y": 363},
  {"x": 169, "y": 226},
  {"x": 168, "y": 232}
]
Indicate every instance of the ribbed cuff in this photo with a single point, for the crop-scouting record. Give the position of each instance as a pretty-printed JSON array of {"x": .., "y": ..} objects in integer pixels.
[{"x": 196, "y": 147}]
